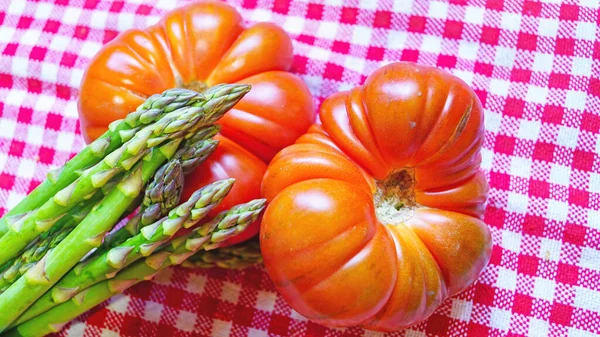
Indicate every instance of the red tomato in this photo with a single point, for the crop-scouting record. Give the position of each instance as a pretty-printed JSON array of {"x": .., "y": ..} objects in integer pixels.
[
  {"x": 196, "y": 46},
  {"x": 375, "y": 216}
]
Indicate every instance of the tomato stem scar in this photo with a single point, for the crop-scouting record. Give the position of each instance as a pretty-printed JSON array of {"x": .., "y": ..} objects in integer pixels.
[{"x": 395, "y": 198}]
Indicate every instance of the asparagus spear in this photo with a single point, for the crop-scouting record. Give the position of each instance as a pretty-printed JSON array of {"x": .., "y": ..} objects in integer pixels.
[
  {"x": 151, "y": 110},
  {"x": 164, "y": 192},
  {"x": 208, "y": 235},
  {"x": 25, "y": 227},
  {"x": 73, "y": 213},
  {"x": 36, "y": 250},
  {"x": 238, "y": 256},
  {"x": 88, "y": 235},
  {"x": 106, "y": 265},
  {"x": 39, "y": 248},
  {"x": 29, "y": 258}
]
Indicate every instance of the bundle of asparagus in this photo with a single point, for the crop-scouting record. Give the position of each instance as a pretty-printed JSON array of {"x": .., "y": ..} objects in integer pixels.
[
  {"x": 207, "y": 236},
  {"x": 55, "y": 250}
]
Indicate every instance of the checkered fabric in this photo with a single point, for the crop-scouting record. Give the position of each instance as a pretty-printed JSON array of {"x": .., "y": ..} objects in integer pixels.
[{"x": 534, "y": 64}]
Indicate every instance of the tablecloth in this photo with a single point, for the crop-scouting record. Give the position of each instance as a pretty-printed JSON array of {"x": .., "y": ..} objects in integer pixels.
[{"x": 534, "y": 64}]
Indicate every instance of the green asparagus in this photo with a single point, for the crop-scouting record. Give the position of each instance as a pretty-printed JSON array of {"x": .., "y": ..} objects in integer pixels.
[
  {"x": 36, "y": 251},
  {"x": 151, "y": 110},
  {"x": 151, "y": 237},
  {"x": 166, "y": 133},
  {"x": 209, "y": 234},
  {"x": 174, "y": 125},
  {"x": 86, "y": 236}
]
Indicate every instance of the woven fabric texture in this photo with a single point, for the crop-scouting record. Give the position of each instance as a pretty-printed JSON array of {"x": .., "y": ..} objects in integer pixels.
[{"x": 534, "y": 64}]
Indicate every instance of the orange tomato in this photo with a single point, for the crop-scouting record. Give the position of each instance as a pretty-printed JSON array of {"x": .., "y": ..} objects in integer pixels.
[
  {"x": 375, "y": 215},
  {"x": 196, "y": 46}
]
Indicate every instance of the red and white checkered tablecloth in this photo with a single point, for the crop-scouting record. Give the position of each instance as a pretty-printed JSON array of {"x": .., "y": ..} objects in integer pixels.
[{"x": 534, "y": 64}]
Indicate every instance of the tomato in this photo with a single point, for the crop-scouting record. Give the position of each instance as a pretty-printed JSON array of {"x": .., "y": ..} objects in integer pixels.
[
  {"x": 197, "y": 46},
  {"x": 375, "y": 215}
]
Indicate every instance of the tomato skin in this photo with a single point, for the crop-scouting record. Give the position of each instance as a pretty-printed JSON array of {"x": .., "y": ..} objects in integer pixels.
[
  {"x": 325, "y": 273},
  {"x": 334, "y": 246},
  {"x": 203, "y": 44},
  {"x": 272, "y": 115}
]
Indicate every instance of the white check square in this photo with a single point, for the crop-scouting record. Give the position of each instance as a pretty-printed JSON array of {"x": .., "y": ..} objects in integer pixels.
[{"x": 544, "y": 288}]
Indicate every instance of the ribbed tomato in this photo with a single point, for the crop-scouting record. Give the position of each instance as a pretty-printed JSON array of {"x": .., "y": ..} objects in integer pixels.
[
  {"x": 375, "y": 215},
  {"x": 196, "y": 46}
]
